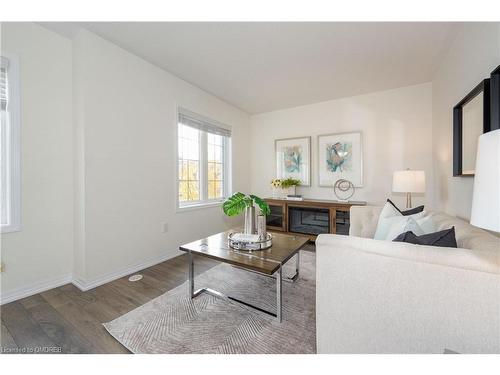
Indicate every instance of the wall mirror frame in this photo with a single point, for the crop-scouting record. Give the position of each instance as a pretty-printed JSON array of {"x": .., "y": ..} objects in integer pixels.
[
  {"x": 471, "y": 118},
  {"x": 495, "y": 98}
]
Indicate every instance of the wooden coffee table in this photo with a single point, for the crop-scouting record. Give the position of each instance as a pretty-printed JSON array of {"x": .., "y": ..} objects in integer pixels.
[{"x": 267, "y": 262}]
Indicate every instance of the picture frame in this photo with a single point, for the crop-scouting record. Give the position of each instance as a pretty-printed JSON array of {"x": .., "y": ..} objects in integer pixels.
[
  {"x": 340, "y": 156},
  {"x": 293, "y": 159},
  {"x": 471, "y": 118}
]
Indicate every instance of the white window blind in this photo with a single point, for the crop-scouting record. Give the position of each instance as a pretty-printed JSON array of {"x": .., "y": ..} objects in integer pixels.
[
  {"x": 4, "y": 65},
  {"x": 202, "y": 123},
  {"x": 10, "y": 189}
]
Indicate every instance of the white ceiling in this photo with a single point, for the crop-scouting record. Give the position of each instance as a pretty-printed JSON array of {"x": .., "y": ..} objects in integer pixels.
[{"x": 261, "y": 67}]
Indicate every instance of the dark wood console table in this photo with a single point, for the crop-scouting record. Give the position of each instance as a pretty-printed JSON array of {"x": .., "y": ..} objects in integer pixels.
[{"x": 310, "y": 217}]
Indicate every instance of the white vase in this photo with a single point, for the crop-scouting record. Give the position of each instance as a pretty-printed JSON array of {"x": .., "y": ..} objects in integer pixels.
[
  {"x": 283, "y": 193},
  {"x": 249, "y": 220},
  {"x": 277, "y": 193},
  {"x": 292, "y": 190}
]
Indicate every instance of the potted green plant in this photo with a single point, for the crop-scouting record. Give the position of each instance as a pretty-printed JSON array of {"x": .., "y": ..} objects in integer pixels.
[
  {"x": 290, "y": 185},
  {"x": 239, "y": 202}
]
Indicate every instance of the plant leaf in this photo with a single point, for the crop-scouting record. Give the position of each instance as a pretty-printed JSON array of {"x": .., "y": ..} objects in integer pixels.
[
  {"x": 286, "y": 183},
  {"x": 264, "y": 207},
  {"x": 235, "y": 204}
]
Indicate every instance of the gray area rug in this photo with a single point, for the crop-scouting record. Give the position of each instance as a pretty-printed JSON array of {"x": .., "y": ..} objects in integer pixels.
[{"x": 173, "y": 323}]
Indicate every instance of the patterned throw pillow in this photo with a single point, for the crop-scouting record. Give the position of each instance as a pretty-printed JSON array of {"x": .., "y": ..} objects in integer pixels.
[
  {"x": 411, "y": 211},
  {"x": 404, "y": 224},
  {"x": 408, "y": 237},
  {"x": 443, "y": 238},
  {"x": 389, "y": 217}
]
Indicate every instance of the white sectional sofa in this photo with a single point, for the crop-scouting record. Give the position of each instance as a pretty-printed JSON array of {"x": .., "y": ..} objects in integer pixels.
[{"x": 391, "y": 297}]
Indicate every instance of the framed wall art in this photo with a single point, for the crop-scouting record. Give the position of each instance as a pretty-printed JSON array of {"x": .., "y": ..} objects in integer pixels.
[
  {"x": 293, "y": 159},
  {"x": 340, "y": 157}
]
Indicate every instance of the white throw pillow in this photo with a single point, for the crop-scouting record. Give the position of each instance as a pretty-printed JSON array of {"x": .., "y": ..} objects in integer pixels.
[
  {"x": 389, "y": 216},
  {"x": 402, "y": 225},
  {"x": 427, "y": 224}
]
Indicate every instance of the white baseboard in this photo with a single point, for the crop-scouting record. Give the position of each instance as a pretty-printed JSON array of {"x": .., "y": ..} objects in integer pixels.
[
  {"x": 85, "y": 285},
  {"x": 34, "y": 288},
  {"x": 81, "y": 284}
]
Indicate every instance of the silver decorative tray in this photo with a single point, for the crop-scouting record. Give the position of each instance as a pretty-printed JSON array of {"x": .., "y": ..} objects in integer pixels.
[{"x": 250, "y": 246}]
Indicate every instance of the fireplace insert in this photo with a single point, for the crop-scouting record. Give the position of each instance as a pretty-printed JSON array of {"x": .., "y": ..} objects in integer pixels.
[{"x": 308, "y": 220}]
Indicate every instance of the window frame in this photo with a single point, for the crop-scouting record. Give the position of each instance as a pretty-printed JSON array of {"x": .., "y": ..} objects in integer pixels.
[
  {"x": 203, "y": 202},
  {"x": 14, "y": 147}
]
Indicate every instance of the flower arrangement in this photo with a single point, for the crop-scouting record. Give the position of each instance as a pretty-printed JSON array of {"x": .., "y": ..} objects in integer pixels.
[
  {"x": 276, "y": 183},
  {"x": 281, "y": 188}
]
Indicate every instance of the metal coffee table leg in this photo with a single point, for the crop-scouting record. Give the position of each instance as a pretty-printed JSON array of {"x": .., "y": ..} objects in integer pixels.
[
  {"x": 295, "y": 276},
  {"x": 278, "y": 294},
  {"x": 216, "y": 293},
  {"x": 191, "y": 276},
  {"x": 192, "y": 293}
]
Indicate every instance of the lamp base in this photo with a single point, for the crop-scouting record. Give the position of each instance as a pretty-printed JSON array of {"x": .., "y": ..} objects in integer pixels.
[{"x": 408, "y": 200}]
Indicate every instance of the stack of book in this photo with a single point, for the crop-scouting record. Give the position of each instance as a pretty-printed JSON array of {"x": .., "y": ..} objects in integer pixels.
[{"x": 294, "y": 197}]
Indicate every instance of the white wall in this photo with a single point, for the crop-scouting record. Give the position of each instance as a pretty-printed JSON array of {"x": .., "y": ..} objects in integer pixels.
[
  {"x": 98, "y": 179},
  {"x": 41, "y": 253},
  {"x": 127, "y": 135},
  {"x": 396, "y": 128},
  {"x": 472, "y": 55}
]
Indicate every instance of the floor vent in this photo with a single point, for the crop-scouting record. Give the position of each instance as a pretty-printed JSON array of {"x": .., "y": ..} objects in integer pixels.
[{"x": 135, "y": 278}]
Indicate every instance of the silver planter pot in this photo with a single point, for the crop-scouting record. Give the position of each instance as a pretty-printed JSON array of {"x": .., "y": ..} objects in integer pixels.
[{"x": 249, "y": 226}]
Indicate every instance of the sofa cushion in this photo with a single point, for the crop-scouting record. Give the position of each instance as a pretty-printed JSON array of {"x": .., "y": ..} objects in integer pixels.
[
  {"x": 402, "y": 225},
  {"x": 408, "y": 237},
  {"x": 378, "y": 296},
  {"x": 467, "y": 235},
  {"x": 364, "y": 221},
  {"x": 443, "y": 238},
  {"x": 411, "y": 211},
  {"x": 427, "y": 224},
  {"x": 389, "y": 217}
]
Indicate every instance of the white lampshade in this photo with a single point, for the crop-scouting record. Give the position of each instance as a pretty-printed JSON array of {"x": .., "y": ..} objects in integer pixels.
[
  {"x": 408, "y": 181},
  {"x": 486, "y": 196}
]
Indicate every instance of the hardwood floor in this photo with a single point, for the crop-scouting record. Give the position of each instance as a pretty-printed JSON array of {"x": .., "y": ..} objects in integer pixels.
[{"x": 67, "y": 320}]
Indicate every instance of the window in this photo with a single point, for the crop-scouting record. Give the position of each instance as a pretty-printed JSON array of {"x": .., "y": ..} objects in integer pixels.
[
  {"x": 203, "y": 160},
  {"x": 9, "y": 152}
]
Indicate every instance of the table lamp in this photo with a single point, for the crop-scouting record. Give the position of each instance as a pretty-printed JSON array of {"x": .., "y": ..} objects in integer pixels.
[
  {"x": 408, "y": 181},
  {"x": 486, "y": 194}
]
